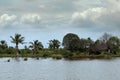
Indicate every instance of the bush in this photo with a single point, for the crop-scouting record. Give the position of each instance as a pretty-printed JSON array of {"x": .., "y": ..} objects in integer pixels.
[
  {"x": 7, "y": 51},
  {"x": 25, "y": 51},
  {"x": 68, "y": 55},
  {"x": 45, "y": 55},
  {"x": 58, "y": 56}
]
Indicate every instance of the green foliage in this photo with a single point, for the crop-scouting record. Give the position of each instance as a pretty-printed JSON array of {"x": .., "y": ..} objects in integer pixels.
[
  {"x": 10, "y": 50},
  {"x": 17, "y": 39},
  {"x": 3, "y": 44},
  {"x": 36, "y": 46},
  {"x": 74, "y": 47},
  {"x": 71, "y": 42},
  {"x": 25, "y": 51},
  {"x": 45, "y": 55},
  {"x": 57, "y": 56},
  {"x": 98, "y": 47},
  {"x": 85, "y": 44},
  {"x": 7, "y": 51},
  {"x": 54, "y": 44},
  {"x": 113, "y": 44},
  {"x": 68, "y": 55}
]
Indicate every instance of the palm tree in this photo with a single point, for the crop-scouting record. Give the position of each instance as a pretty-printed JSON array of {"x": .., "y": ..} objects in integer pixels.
[
  {"x": 3, "y": 44},
  {"x": 17, "y": 39},
  {"x": 35, "y": 46},
  {"x": 54, "y": 44}
]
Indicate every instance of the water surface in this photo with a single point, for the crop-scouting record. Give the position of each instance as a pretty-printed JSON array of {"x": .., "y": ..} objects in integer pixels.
[{"x": 50, "y": 69}]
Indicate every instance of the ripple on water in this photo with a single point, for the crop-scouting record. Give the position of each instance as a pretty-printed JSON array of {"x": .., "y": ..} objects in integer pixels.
[{"x": 50, "y": 69}]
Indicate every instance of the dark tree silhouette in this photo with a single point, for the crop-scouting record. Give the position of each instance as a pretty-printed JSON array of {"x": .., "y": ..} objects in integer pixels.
[
  {"x": 17, "y": 39},
  {"x": 71, "y": 42},
  {"x": 54, "y": 44},
  {"x": 36, "y": 46},
  {"x": 3, "y": 44}
]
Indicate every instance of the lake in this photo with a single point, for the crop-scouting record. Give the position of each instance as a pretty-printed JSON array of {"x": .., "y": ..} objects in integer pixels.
[{"x": 50, "y": 69}]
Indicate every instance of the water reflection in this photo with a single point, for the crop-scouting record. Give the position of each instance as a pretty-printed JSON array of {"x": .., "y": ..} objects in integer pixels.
[
  {"x": 50, "y": 69},
  {"x": 17, "y": 59}
]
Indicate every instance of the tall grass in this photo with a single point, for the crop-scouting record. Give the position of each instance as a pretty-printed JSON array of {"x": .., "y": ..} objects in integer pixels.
[{"x": 59, "y": 54}]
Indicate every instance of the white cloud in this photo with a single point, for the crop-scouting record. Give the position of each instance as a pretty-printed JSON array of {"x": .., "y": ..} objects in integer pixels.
[
  {"x": 42, "y": 6},
  {"x": 91, "y": 13},
  {"x": 84, "y": 13},
  {"x": 52, "y": 17},
  {"x": 87, "y": 18},
  {"x": 19, "y": 21},
  {"x": 6, "y": 19},
  {"x": 106, "y": 17},
  {"x": 111, "y": 3},
  {"x": 31, "y": 18}
]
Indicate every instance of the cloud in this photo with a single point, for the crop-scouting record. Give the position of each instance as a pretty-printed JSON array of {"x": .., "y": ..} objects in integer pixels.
[
  {"x": 85, "y": 4},
  {"x": 19, "y": 21},
  {"x": 92, "y": 13},
  {"x": 31, "y": 18},
  {"x": 111, "y": 3},
  {"x": 43, "y": 7},
  {"x": 85, "y": 13},
  {"x": 112, "y": 14},
  {"x": 104, "y": 18},
  {"x": 87, "y": 18},
  {"x": 6, "y": 19},
  {"x": 55, "y": 18}
]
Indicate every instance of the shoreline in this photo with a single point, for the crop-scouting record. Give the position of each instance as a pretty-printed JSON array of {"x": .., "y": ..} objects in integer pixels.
[{"x": 59, "y": 56}]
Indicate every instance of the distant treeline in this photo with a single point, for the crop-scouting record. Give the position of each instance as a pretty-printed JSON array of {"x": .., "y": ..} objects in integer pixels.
[{"x": 107, "y": 44}]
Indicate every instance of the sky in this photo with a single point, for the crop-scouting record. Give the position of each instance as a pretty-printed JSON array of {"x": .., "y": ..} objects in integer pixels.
[{"x": 44, "y": 20}]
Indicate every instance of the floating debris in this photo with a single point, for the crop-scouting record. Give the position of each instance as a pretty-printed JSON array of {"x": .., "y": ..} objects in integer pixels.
[
  {"x": 25, "y": 59},
  {"x": 8, "y": 60},
  {"x": 37, "y": 58}
]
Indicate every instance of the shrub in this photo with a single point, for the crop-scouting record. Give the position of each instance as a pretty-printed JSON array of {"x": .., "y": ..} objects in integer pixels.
[{"x": 58, "y": 56}]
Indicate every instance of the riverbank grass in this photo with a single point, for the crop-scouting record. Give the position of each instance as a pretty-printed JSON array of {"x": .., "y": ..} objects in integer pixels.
[{"x": 60, "y": 53}]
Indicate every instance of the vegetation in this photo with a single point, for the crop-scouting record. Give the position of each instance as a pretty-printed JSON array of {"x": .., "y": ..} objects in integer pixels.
[
  {"x": 71, "y": 42},
  {"x": 3, "y": 44},
  {"x": 36, "y": 46},
  {"x": 17, "y": 39},
  {"x": 54, "y": 44},
  {"x": 107, "y": 46}
]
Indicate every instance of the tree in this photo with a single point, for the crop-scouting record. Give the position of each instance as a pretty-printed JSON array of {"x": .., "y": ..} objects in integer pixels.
[
  {"x": 17, "y": 39},
  {"x": 113, "y": 44},
  {"x": 105, "y": 37},
  {"x": 54, "y": 44},
  {"x": 3, "y": 44},
  {"x": 36, "y": 46},
  {"x": 71, "y": 42},
  {"x": 89, "y": 42},
  {"x": 98, "y": 47},
  {"x": 85, "y": 44},
  {"x": 82, "y": 44}
]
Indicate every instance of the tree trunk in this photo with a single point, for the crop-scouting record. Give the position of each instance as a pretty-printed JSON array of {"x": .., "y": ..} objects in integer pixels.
[
  {"x": 17, "y": 51},
  {"x": 33, "y": 51}
]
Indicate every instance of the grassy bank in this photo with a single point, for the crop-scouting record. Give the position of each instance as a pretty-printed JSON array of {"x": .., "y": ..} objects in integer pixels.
[{"x": 61, "y": 53}]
